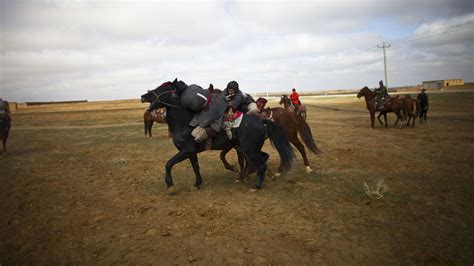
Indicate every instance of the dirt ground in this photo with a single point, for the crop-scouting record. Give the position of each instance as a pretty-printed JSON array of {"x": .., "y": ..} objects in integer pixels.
[{"x": 87, "y": 187}]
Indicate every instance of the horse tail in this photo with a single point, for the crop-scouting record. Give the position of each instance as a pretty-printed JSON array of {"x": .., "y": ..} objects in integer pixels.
[
  {"x": 280, "y": 141},
  {"x": 305, "y": 132}
]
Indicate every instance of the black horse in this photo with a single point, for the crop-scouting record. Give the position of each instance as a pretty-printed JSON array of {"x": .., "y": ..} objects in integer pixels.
[{"x": 248, "y": 138}]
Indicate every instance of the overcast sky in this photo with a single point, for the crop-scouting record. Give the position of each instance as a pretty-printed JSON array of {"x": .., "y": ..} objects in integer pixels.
[{"x": 105, "y": 50}]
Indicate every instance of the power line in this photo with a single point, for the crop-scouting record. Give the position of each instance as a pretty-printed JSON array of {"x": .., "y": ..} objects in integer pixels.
[{"x": 458, "y": 27}]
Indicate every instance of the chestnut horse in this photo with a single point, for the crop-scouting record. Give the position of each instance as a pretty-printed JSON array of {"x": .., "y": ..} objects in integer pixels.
[
  {"x": 292, "y": 124},
  {"x": 393, "y": 105},
  {"x": 158, "y": 116},
  {"x": 5, "y": 124},
  {"x": 288, "y": 105},
  {"x": 411, "y": 109}
]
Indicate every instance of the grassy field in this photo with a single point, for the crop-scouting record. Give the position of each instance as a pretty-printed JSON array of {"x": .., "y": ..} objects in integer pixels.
[{"x": 85, "y": 186}]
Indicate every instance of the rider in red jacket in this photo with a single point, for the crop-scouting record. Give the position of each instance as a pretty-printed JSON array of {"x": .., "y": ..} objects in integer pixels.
[{"x": 295, "y": 99}]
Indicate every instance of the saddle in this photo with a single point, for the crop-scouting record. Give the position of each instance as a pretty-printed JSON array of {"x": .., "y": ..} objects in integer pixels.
[{"x": 380, "y": 102}]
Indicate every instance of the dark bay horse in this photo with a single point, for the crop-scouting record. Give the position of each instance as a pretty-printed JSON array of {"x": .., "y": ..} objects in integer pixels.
[
  {"x": 292, "y": 124},
  {"x": 5, "y": 124},
  {"x": 149, "y": 118},
  {"x": 393, "y": 105},
  {"x": 286, "y": 102},
  {"x": 248, "y": 138}
]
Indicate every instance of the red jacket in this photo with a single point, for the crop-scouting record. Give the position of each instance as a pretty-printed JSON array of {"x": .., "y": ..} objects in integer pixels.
[{"x": 295, "y": 98}]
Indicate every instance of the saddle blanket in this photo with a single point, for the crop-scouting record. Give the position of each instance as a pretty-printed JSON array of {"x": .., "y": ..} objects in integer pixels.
[{"x": 236, "y": 120}]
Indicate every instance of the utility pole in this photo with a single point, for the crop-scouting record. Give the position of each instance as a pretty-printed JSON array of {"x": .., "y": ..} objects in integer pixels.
[{"x": 385, "y": 61}]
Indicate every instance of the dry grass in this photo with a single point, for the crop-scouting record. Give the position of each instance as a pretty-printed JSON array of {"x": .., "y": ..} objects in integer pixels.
[{"x": 87, "y": 187}]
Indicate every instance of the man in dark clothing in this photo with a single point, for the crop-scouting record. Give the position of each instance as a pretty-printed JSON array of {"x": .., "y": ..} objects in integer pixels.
[
  {"x": 424, "y": 103},
  {"x": 238, "y": 100},
  {"x": 382, "y": 95},
  {"x": 4, "y": 107},
  {"x": 210, "y": 109}
]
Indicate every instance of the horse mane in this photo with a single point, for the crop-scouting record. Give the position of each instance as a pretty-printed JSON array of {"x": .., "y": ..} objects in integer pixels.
[{"x": 167, "y": 83}]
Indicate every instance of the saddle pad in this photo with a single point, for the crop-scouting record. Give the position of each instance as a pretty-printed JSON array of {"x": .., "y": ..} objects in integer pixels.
[
  {"x": 158, "y": 113},
  {"x": 236, "y": 120}
]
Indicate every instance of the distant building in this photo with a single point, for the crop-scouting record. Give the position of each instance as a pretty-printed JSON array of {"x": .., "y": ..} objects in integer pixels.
[{"x": 442, "y": 84}]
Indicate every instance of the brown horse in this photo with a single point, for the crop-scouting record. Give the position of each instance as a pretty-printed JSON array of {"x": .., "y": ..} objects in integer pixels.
[
  {"x": 292, "y": 124},
  {"x": 158, "y": 116},
  {"x": 5, "y": 124},
  {"x": 411, "y": 109},
  {"x": 286, "y": 102},
  {"x": 393, "y": 105}
]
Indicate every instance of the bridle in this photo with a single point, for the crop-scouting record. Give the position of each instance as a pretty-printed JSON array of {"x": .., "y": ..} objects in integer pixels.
[{"x": 158, "y": 100}]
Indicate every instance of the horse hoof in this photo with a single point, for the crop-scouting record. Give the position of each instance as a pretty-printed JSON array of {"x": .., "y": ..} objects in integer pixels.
[
  {"x": 170, "y": 190},
  {"x": 253, "y": 190},
  {"x": 277, "y": 174},
  {"x": 308, "y": 169},
  {"x": 237, "y": 181}
]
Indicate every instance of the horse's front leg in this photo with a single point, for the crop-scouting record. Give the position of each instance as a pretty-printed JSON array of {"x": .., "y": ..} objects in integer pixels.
[
  {"x": 372, "y": 119},
  {"x": 195, "y": 163},
  {"x": 179, "y": 157}
]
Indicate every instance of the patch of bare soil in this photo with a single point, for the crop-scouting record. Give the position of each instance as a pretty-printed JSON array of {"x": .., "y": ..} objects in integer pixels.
[{"x": 82, "y": 189}]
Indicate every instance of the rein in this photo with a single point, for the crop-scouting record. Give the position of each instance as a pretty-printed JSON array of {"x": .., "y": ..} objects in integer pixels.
[{"x": 158, "y": 100}]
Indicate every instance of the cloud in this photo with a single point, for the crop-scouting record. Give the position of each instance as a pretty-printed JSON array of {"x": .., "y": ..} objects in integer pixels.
[{"x": 64, "y": 50}]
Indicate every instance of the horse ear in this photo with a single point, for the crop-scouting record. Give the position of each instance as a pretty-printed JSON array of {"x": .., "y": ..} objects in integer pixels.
[{"x": 175, "y": 81}]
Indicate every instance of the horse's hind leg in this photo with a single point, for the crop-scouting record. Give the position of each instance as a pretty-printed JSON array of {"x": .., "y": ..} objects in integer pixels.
[
  {"x": 224, "y": 161},
  {"x": 302, "y": 150},
  {"x": 378, "y": 118},
  {"x": 261, "y": 162}
]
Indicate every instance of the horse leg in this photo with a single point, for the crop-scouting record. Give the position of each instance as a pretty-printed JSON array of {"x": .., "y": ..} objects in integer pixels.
[
  {"x": 179, "y": 157},
  {"x": 301, "y": 149},
  {"x": 195, "y": 163},
  {"x": 4, "y": 148},
  {"x": 260, "y": 160},
  {"x": 378, "y": 118},
  {"x": 224, "y": 161},
  {"x": 399, "y": 118},
  {"x": 244, "y": 168},
  {"x": 372, "y": 118},
  {"x": 385, "y": 119},
  {"x": 146, "y": 127},
  {"x": 150, "y": 126}
]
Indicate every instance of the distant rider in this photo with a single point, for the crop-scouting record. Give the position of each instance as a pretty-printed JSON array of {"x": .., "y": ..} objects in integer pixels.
[
  {"x": 295, "y": 99},
  {"x": 382, "y": 95}
]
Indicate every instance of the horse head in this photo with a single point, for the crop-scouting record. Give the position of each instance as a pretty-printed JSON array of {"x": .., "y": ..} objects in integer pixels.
[
  {"x": 284, "y": 100},
  {"x": 164, "y": 95},
  {"x": 364, "y": 91}
]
